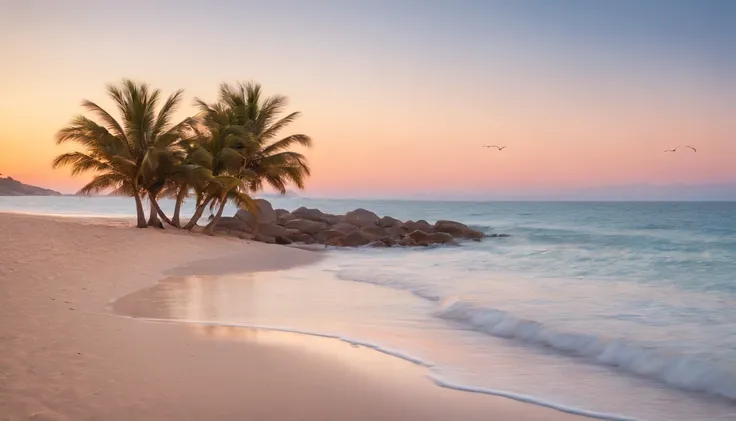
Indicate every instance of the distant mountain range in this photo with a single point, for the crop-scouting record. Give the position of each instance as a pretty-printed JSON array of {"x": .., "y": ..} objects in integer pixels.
[{"x": 11, "y": 187}]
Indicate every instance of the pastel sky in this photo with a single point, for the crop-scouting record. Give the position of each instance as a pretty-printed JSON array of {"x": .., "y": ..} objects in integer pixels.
[{"x": 400, "y": 96}]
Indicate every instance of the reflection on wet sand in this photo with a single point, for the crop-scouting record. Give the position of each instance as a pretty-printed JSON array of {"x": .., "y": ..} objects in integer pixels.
[
  {"x": 191, "y": 298},
  {"x": 204, "y": 301}
]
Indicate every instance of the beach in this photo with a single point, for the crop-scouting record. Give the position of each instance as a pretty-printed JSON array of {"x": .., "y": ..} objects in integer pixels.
[{"x": 64, "y": 356}]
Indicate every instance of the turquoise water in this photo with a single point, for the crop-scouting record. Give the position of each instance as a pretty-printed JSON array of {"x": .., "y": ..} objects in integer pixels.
[{"x": 616, "y": 308}]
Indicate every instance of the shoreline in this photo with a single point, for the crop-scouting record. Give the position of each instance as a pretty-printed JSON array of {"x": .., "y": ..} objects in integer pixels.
[{"x": 65, "y": 358}]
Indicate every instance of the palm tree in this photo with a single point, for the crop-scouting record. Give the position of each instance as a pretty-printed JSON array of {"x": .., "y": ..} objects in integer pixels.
[
  {"x": 221, "y": 146},
  {"x": 271, "y": 160},
  {"x": 123, "y": 155}
]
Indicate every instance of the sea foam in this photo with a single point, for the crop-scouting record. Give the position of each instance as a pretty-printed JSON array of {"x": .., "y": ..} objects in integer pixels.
[{"x": 679, "y": 371}]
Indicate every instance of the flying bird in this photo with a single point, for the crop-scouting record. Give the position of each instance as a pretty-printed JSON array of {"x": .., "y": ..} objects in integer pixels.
[
  {"x": 694, "y": 150},
  {"x": 500, "y": 148},
  {"x": 672, "y": 150}
]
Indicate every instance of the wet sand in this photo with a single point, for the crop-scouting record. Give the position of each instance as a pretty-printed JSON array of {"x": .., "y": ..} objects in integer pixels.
[{"x": 64, "y": 356}]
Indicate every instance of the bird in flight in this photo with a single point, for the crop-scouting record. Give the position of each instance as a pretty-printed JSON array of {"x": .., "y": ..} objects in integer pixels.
[
  {"x": 500, "y": 148},
  {"x": 675, "y": 150}
]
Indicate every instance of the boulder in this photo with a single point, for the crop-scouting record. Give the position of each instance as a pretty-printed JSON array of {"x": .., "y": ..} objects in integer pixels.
[
  {"x": 264, "y": 239},
  {"x": 334, "y": 219},
  {"x": 327, "y": 234},
  {"x": 420, "y": 225},
  {"x": 406, "y": 241},
  {"x": 306, "y": 226},
  {"x": 272, "y": 230},
  {"x": 362, "y": 218},
  {"x": 286, "y": 217},
  {"x": 420, "y": 237},
  {"x": 344, "y": 227},
  {"x": 302, "y": 238},
  {"x": 387, "y": 222},
  {"x": 236, "y": 224},
  {"x": 245, "y": 218},
  {"x": 396, "y": 232},
  {"x": 266, "y": 214},
  {"x": 377, "y": 244},
  {"x": 281, "y": 212},
  {"x": 441, "y": 238},
  {"x": 311, "y": 214},
  {"x": 458, "y": 230},
  {"x": 335, "y": 241},
  {"x": 282, "y": 240},
  {"x": 375, "y": 232},
  {"x": 356, "y": 238}
]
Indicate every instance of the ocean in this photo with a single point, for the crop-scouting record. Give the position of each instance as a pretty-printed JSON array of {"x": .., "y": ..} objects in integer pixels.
[{"x": 617, "y": 310}]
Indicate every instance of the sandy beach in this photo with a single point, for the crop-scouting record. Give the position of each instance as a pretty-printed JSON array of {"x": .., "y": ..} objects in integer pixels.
[{"x": 63, "y": 356}]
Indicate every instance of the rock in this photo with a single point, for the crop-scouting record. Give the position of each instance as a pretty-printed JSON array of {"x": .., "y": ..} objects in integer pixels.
[
  {"x": 387, "y": 222},
  {"x": 311, "y": 214},
  {"x": 375, "y": 232},
  {"x": 264, "y": 239},
  {"x": 328, "y": 234},
  {"x": 282, "y": 240},
  {"x": 235, "y": 224},
  {"x": 441, "y": 238},
  {"x": 266, "y": 214},
  {"x": 362, "y": 218},
  {"x": 504, "y": 235},
  {"x": 406, "y": 241},
  {"x": 356, "y": 238},
  {"x": 420, "y": 225},
  {"x": 306, "y": 226},
  {"x": 377, "y": 244},
  {"x": 420, "y": 237},
  {"x": 397, "y": 232},
  {"x": 245, "y": 218},
  {"x": 335, "y": 241},
  {"x": 284, "y": 218},
  {"x": 272, "y": 230},
  {"x": 344, "y": 227},
  {"x": 245, "y": 236},
  {"x": 281, "y": 212},
  {"x": 458, "y": 230},
  {"x": 302, "y": 238}
]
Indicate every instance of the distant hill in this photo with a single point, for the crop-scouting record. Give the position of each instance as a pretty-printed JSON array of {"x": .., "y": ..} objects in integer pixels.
[
  {"x": 11, "y": 187},
  {"x": 289, "y": 193}
]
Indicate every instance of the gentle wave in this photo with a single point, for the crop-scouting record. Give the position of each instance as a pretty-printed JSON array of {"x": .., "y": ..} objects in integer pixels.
[
  {"x": 677, "y": 371},
  {"x": 436, "y": 379}
]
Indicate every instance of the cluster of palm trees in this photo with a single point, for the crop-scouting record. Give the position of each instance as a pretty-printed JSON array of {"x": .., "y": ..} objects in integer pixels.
[{"x": 229, "y": 149}]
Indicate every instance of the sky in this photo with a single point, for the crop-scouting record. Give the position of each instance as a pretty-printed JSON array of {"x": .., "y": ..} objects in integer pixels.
[{"x": 399, "y": 96}]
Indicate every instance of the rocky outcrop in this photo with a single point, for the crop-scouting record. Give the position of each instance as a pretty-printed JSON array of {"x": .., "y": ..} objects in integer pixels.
[
  {"x": 272, "y": 230},
  {"x": 457, "y": 230},
  {"x": 306, "y": 226},
  {"x": 387, "y": 222},
  {"x": 266, "y": 214},
  {"x": 356, "y": 238},
  {"x": 362, "y": 218},
  {"x": 356, "y": 228}
]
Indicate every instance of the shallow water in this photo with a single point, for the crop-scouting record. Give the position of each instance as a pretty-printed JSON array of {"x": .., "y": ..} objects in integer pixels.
[{"x": 619, "y": 308}]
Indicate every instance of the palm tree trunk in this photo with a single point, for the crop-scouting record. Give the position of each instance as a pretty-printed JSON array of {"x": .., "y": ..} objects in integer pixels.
[
  {"x": 210, "y": 228},
  {"x": 139, "y": 211},
  {"x": 175, "y": 221},
  {"x": 197, "y": 214},
  {"x": 153, "y": 220},
  {"x": 160, "y": 213}
]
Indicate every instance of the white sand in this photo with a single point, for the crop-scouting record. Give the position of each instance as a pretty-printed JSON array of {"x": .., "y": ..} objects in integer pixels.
[{"x": 64, "y": 357}]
